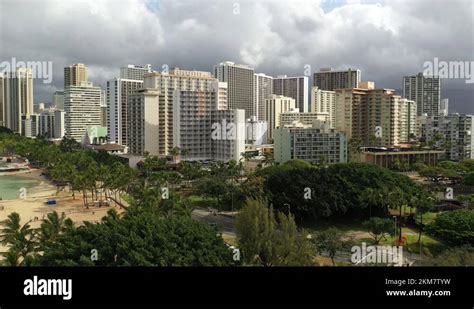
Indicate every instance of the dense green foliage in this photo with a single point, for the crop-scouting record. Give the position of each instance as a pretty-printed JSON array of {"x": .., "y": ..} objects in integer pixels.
[
  {"x": 330, "y": 241},
  {"x": 457, "y": 256},
  {"x": 352, "y": 190},
  {"x": 455, "y": 227},
  {"x": 141, "y": 239}
]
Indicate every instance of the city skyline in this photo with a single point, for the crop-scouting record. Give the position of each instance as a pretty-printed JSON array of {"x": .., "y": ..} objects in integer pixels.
[{"x": 274, "y": 38}]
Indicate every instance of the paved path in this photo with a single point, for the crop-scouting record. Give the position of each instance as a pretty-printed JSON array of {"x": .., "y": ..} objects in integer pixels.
[{"x": 226, "y": 223}]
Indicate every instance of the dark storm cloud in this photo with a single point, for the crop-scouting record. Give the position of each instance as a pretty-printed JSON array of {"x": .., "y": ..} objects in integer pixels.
[{"x": 385, "y": 40}]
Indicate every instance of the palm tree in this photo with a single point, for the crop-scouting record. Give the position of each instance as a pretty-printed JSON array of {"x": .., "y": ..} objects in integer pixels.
[
  {"x": 396, "y": 200},
  {"x": 21, "y": 240},
  {"x": 53, "y": 226},
  {"x": 423, "y": 205},
  {"x": 355, "y": 148},
  {"x": 184, "y": 153},
  {"x": 269, "y": 159},
  {"x": 175, "y": 153}
]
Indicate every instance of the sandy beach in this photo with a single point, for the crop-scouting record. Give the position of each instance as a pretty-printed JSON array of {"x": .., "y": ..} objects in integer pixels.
[{"x": 34, "y": 208}]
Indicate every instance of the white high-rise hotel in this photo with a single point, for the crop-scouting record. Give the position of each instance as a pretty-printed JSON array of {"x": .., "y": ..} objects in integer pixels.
[
  {"x": 118, "y": 90},
  {"x": 324, "y": 101},
  {"x": 167, "y": 84},
  {"x": 82, "y": 107},
  {"x": 178, "y": 109},
  {"x": 263, "y": 88}
]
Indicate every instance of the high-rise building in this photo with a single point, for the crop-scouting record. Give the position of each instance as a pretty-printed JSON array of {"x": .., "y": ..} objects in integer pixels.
[
  {"x": 195, "y": 114},
  {"x": 135, "y": 72},
  {"x": 118, "y": 90},
  {"x": 316, "y": 143},
  {"x": 221, "y": 89},
  {"x": 74, "y": 75},
  {"x": 192, "y": 123},
  {"x": 240, "y": 82},
  {"x": 324, "y": 101},
  {"x": 425, "y": 91},
  {"x": 327, "y": 79},
  {"x": 375, "y": 117},
  {"x": 228, "y": 134},
  {"x": 444, "y": 107},
  {"x": 351, "y": 114},
  {"x": 296, "y": 87},
  {"x": 82, "y": 107},
  {"x": 18, "y": 98},
  {"x": 58, "y": 100},
  {"x": 274, "y": 106},
  {"x": 144, "y": 133},
  {"x": 46, "y": 124},
  {"x": 456, "y": 137},
  {"x": 178, "y": 80},
  {"x": 263, "y": 87},
  {"x": 2, "y": 102}
]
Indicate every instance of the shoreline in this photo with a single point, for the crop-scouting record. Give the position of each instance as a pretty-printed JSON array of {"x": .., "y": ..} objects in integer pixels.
[
  {"x": 33, "y": 173},
  {"x": 33, "y": 207}
]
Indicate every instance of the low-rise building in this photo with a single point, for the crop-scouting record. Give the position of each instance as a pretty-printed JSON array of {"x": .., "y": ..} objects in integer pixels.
[{"x": 318, "y": 143}]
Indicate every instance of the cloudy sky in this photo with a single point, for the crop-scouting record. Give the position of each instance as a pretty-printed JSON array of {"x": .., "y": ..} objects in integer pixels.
[{"x": 385, "y": 39}]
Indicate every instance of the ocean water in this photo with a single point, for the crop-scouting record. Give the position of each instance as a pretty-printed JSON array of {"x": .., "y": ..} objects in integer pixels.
[{"x": 10, "y": 186}]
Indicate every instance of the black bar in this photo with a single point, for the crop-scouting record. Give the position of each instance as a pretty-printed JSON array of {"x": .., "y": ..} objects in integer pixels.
[{"x": 240, "y": 285}]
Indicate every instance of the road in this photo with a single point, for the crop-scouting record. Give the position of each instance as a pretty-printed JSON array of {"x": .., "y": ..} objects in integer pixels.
[{"x": 226, "y": 223}]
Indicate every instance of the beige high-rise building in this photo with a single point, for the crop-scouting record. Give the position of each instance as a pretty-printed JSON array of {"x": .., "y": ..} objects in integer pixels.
[
  {"x": 375, "y": 117},
  {"x": 221, "y": 89},
  {"x": 144, "y": 113},
  {"x": 17, "y": 98},
  {"x": 324, "y": 101},
  {"x": 82, "y": 105},
  {"x": 74, "y": 75},
  {"x": 240, "y": 81},
  {"x": 274, "y": 106},
  {"x": 167, "y": 84}
]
